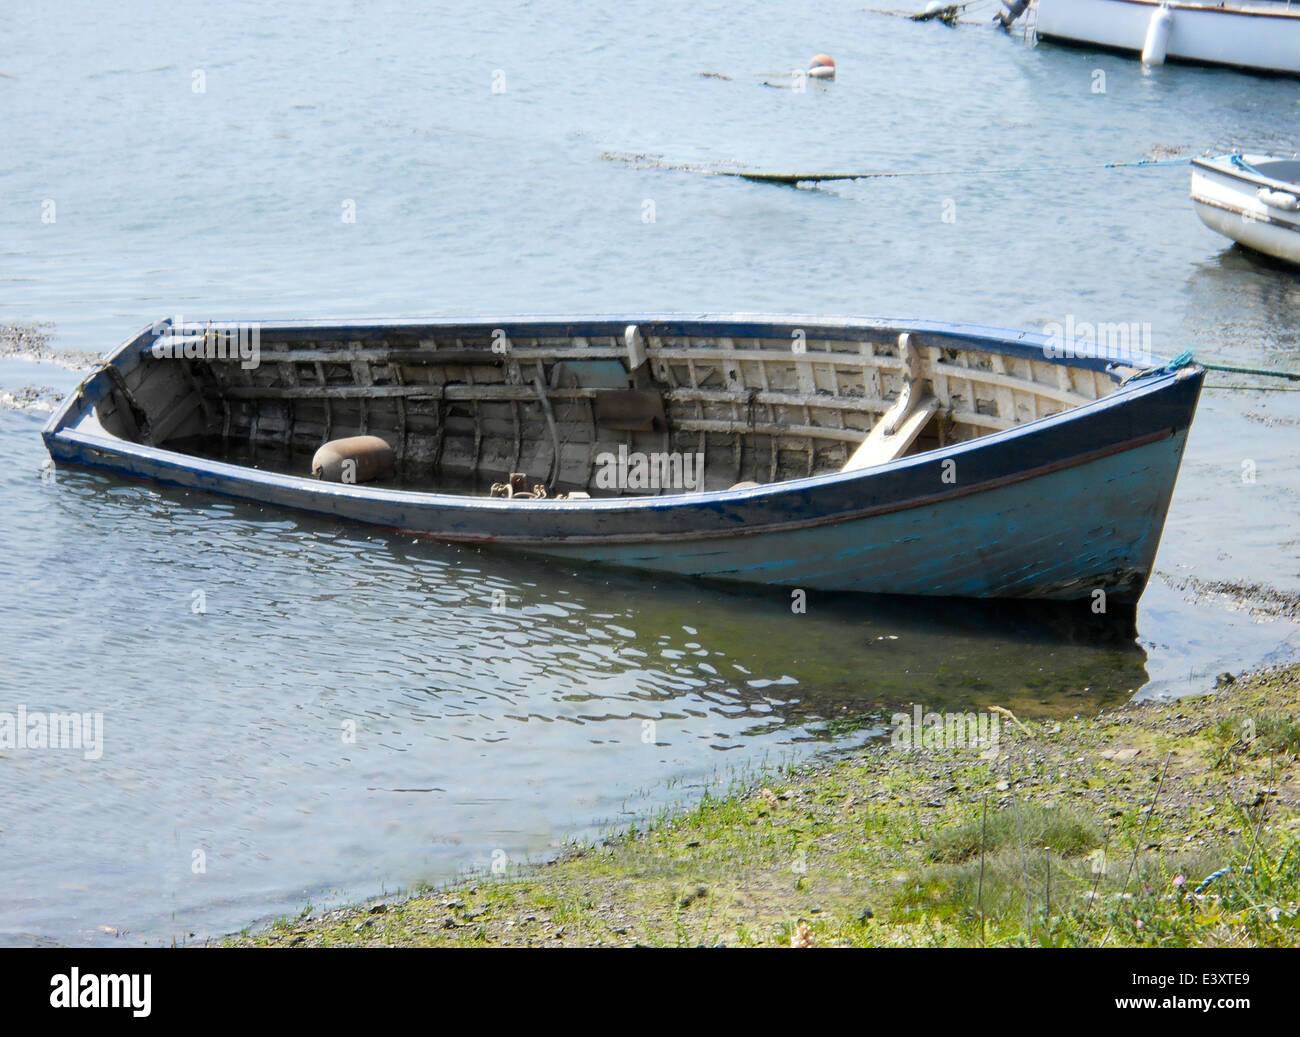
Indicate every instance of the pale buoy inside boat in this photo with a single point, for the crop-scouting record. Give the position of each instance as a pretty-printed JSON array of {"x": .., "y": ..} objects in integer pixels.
[
  {"x": 356, "y": 459},
  {"x": 822, "y": 67},
  {"x": 1157, "y": 41}
]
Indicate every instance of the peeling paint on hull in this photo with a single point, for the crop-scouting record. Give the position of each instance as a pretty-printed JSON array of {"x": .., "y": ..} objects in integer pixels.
[{"x": 1061, "y": 537}]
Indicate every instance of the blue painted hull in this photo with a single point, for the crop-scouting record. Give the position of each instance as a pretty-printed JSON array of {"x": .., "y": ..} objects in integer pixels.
[
  {"x": 1056, "y": 508},
  {"x": 1058, "y": 536}
]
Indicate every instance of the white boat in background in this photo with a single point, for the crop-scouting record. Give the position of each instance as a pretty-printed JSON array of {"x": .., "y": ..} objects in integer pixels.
[
  {"x": 1252, "y": 199},
  {"x": 1259, "y": 35}
]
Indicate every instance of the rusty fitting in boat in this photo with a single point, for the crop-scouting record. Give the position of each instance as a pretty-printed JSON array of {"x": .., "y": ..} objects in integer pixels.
[{"x": 518, "y": 486}]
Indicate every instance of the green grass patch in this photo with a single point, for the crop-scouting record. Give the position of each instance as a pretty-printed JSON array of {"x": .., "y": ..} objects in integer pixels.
[{"x": 1064, "y": 831}]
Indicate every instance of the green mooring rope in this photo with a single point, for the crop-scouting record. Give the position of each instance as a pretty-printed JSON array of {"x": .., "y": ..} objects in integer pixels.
[
  {"x": 1185, "y": 358},
  {"x": 1293, "y": 376}
]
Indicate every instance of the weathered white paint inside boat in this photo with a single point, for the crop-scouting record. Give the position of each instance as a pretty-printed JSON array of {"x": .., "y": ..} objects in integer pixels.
[{"x": 752, "y": 408}]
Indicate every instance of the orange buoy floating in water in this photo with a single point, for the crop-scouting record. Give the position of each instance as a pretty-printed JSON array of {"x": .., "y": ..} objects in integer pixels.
[{"x": 822, "y": 67}]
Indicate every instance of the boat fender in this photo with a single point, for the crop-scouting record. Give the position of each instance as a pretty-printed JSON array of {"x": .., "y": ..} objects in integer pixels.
[
  {"x": 1157, "y": 41},
  {"x": 822, "y": 66},
  {"x": 1278, "y": 199},
  {"x": 356, "y": 459}
]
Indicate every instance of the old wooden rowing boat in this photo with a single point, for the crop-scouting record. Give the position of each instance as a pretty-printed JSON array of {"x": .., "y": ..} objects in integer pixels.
[{"x": 846, "y": 455}]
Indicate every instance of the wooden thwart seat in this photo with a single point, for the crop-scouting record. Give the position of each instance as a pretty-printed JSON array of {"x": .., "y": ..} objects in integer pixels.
[
  {"x": 899, "y": 426},
  {"x": 882, "y": 445}
]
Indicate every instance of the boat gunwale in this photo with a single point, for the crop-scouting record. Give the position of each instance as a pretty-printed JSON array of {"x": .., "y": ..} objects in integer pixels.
[
  {"x": 1019, "y": 343},
  {"x": 1245, "y": 175},
  {"x": 986, "y": 338}
]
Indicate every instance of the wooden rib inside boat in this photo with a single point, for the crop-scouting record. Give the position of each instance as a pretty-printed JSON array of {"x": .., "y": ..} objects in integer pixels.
[{"x": 464, "y": 408}]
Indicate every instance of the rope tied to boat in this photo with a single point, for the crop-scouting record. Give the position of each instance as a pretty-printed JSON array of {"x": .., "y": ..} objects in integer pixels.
[
  {"x": 1238, "y": 160},
  {"x": 1261, "y": 372},
  {"x": 1185, "y": 359}
]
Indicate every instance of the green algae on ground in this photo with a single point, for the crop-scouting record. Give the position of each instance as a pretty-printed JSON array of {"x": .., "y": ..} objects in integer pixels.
[{"x": 1155, "y": 824}]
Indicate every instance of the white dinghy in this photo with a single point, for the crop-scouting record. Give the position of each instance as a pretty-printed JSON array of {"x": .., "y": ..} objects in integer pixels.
[{"x": 1252, "y": 199}]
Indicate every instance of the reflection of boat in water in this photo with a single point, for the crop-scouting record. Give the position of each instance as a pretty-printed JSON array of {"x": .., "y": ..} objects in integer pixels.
[
  {"x": 1259, "y": 35},
  {"x": 745, "y": 651},
  {"x": 1252, "y": 199},
  {"x": 867, "y": 651},
  {"x": 923, "y": 458},
  {"x": 1248, "y": 298}
]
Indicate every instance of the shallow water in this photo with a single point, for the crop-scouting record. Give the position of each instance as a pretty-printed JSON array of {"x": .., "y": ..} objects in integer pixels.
[{"x": 481, "y": 733}]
